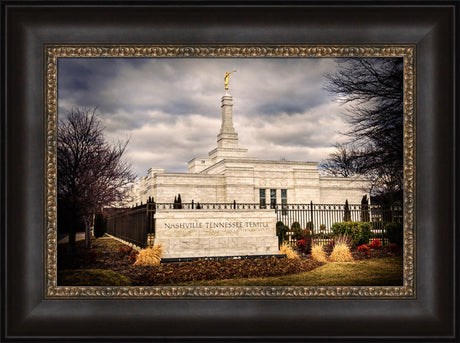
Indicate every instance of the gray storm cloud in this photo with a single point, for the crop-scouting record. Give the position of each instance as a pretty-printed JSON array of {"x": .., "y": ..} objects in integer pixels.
[{"x": 170, "y": 108}]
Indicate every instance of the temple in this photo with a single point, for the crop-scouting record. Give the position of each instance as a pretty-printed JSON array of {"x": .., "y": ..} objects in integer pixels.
[{"x": 228, "y": 174}]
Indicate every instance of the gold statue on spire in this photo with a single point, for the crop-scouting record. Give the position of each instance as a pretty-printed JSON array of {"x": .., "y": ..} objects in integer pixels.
[{"x": 227, "y": 74}]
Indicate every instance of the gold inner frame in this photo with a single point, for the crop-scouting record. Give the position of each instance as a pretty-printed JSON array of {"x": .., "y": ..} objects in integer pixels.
[{"x": 53, "y": 52}]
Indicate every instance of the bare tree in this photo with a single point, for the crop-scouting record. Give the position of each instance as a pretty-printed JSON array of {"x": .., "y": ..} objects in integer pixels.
[
  {"x": 341, "y": 162},
  {"x": 91, "y": 173},
  {"x": 346, "y": 212},
  {"x": 373, "y": 90}
]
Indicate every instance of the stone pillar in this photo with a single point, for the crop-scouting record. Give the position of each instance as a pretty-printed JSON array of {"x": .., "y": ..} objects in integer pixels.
[
  {"x": 227, "y": 116},
  {"x": 227, "y": 138}
]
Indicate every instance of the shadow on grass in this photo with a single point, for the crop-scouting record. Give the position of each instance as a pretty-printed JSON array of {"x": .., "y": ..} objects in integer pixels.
[
  {"x": 92, "y": 277},
  {"x": 386, "y": 271}
]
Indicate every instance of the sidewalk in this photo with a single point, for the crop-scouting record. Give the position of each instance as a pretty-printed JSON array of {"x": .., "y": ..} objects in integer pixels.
[{"x": 78, "y": 237}]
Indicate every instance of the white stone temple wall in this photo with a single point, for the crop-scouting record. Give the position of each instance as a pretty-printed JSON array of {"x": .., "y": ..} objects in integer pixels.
[{"x": 243, "y": 184}]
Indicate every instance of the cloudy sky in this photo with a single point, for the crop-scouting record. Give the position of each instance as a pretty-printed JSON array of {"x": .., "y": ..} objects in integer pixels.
[{"x": 169, "y": 108}]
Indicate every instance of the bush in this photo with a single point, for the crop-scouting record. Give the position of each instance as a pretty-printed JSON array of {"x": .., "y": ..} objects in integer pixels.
[
  {"x": 295, "y": 228},
  {"x": 303, "y": 238},
  {"x": 394, "y": 233},
  {"x": 346, "y": 212},
  {"x": 177, "y": 202},
  {"x": 301, "y": 234},
  {"x": 328, "y": 235},
  {"x": 289, "y": 252},
  {"x": 302, "y": 245},
  {"x": 100, "y": 225},
  {"x": 306, "y": 235},
  {"x": 318, "y": 254},
  {"x": 365, "y": 250},
  {"x": 124, "y": 250},
  {"x": 306, "y": 232},
  {"x": 309, "y": 225},
  {"x": 375, "y": 244},
  {"x": 295, "y": 225},
  {"x": 341, "y": 251},
  {"x": 281, "y": 230},
  {"x": 150, "y": 256},
  {"x": 365, "y": 215},
  {"x": 133, "y": 256},
  {"x": 359, "y": 232},
  {"x": 343, "y": 239}
]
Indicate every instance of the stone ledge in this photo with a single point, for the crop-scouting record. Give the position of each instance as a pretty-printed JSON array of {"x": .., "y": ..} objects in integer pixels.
[{"x": 213, "y": 258}]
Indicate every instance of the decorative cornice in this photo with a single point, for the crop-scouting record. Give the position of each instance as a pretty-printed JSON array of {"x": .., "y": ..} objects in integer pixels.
[
  {"x": 231, "y": 292},
  {"x": 230, "y": 51}
]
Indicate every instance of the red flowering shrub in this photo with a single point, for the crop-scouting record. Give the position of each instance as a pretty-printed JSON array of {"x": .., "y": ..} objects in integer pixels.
[
  {"x": 302, "y": 245},
  {"x": 375, "y": 244},
  {"x": 365, "y": 249},
  {"x": 133, "y": 256},
  {"x": 124, "y": 250},
  {"x": 306, "y": 235}
]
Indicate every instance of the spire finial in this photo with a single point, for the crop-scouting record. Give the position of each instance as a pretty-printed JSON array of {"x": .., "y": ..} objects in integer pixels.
[{"x": 227, "y": 74}]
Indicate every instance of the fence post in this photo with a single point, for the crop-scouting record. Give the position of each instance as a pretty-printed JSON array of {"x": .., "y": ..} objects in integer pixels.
[
  {"x": 311, "y": 217},
  {"x": 192, "y": 204},
  {"x": 234, "y": 204}
]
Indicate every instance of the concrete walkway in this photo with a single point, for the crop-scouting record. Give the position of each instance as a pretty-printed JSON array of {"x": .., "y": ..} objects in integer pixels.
[{"x": 80, "y": 236}]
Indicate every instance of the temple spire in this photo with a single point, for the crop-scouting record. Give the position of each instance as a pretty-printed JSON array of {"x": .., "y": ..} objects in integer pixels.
[{"x": 227, "y": 138}]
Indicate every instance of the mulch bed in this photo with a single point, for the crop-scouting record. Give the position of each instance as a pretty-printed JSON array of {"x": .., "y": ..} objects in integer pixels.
[
  {"x": 383, "y": 251},
  {"x": 105, "y": 255}
]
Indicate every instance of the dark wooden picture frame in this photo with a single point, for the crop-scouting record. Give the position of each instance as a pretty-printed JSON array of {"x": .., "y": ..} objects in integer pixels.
[
  {"x": 405, "y": 289},
  {"x": 28, "y": 314}
]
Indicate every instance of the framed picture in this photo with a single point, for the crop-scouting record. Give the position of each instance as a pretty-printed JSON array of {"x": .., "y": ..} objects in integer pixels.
[
  {"x": 64, "y": 57},
  {"x": 230, "y": 206}
]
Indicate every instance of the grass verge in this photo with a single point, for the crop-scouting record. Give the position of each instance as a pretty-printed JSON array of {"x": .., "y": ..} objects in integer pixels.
[
  {"x": 92, "y": 277},
  {"x": 386, "y": 271}
]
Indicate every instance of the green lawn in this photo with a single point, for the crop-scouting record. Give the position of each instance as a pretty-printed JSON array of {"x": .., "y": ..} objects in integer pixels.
[
  {"x": 387, "y": 271},
  {"x": 92, "y": 277},
  {"x": 374, "y": 272}
]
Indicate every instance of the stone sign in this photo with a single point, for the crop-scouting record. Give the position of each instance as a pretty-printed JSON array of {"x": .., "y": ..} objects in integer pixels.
[{"x": 214, "y": 233}]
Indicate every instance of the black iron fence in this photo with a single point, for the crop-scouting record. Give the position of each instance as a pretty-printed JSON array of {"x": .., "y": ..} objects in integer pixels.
[
  {"x": 137, "y": 224},
  {"x": 320, "y": 217},
  {"x": 133, "y": 224}
]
